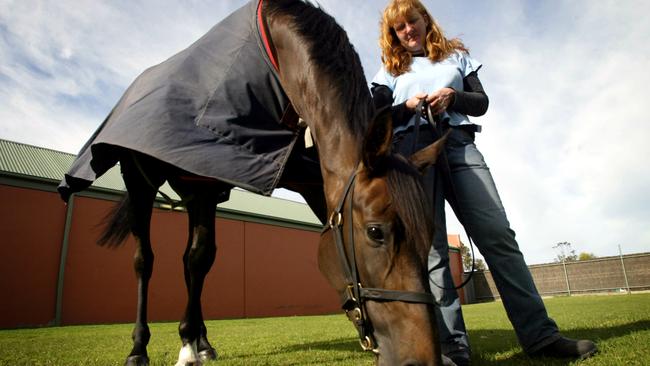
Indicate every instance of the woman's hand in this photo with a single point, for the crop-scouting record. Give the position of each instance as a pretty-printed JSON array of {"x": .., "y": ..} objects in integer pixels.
[
  {"x": 440, "y": 100},
  {"x": 413, "y": 102}
]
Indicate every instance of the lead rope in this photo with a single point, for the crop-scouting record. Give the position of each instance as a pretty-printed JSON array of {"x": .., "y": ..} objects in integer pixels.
[{"x": 422, "y": 113}]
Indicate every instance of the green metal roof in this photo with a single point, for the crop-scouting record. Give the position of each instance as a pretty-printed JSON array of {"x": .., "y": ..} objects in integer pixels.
[
  {"x": 33, "y": 162},
  {"x": 30, "y": 160}
]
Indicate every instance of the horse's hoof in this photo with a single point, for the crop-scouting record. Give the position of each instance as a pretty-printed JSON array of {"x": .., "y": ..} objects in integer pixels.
[
  {"x": 208, "y": 354},
  {"x": 137, "y": 360},
  {"x": 446, "y": 361}
]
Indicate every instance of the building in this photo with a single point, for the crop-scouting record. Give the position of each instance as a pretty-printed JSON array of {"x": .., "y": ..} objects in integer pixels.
[
  {"x": 54, "y": 274},
  {"x": 456, "y": 264}
]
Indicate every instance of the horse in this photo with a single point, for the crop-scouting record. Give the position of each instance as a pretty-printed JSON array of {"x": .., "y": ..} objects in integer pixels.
[{"x": 377, "y": 232}]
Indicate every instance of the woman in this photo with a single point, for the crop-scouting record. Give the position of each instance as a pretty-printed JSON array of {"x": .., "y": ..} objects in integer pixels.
[{"x": 420, "y": 64}]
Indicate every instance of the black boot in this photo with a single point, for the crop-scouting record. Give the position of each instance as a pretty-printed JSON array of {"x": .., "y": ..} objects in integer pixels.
[
  {"x": 567, "y": 348},
  {"x": 460, "y": 358}
]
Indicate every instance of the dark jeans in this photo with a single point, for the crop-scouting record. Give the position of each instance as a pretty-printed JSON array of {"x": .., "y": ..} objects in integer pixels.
[{"x": 479, "y": 209}]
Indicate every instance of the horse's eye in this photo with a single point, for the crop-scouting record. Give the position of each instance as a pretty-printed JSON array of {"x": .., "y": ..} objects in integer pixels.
[{"x": 375, "y": 233}]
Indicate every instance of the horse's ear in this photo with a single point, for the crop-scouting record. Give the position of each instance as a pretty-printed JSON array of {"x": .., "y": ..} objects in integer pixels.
[
  {"x": 377, "y": 144},
  {"x": 427, "y": 156}
]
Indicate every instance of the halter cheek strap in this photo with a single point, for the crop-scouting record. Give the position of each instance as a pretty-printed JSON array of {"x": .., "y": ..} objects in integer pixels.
[{"x": 355, "y": 295}]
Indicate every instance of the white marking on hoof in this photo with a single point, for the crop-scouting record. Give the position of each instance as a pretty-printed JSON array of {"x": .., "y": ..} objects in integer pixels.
[
  {"x": 208, "y": 355},
  {"x": 188, "y": 356}
]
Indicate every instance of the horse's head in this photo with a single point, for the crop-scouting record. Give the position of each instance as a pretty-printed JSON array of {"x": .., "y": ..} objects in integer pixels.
[{"x": 375, "y": 252}]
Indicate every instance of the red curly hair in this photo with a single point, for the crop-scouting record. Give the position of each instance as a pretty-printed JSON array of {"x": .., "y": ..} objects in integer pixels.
[{"x": 395, "y": 57}]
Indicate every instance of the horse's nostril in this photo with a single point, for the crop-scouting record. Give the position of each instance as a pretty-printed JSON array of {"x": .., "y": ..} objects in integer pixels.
[{"x": 412, "y": 363}]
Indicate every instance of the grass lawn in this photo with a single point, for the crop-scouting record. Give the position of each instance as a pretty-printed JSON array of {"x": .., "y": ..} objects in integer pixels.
[{"x": 619, "y": 323}]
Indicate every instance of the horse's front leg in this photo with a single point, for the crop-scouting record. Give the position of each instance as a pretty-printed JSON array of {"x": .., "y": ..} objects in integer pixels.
[{"x": 198, "y": 259}]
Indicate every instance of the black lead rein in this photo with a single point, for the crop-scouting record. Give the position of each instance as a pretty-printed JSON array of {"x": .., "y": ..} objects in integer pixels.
[{"x": 425, "y": 113}]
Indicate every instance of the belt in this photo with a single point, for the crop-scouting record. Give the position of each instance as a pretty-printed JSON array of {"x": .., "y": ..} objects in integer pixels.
[
  {"x": 425, "y": 126},
  {"x": 468, "y": 128}
]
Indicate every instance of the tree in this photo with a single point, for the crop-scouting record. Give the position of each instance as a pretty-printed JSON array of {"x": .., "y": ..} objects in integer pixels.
[
  {"x": 584, "y": 256},
  {"x": 567, "y": 254},
  {"x": 466, "y": 255}
]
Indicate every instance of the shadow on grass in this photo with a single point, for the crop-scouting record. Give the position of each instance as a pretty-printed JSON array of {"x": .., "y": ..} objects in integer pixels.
[
  {"x": 340, "y": 349},
  {"x": 339, "y": 345},
  {"x": 492, "y": 347}
]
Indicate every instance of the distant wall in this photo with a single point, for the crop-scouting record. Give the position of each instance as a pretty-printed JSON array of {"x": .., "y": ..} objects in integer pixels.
[{"x": 630, "y": 272}]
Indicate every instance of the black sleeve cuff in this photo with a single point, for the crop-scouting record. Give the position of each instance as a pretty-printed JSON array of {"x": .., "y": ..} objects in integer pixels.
[
  {"x": 401, "y": 115},
  {"x": 472, "y": 101}
]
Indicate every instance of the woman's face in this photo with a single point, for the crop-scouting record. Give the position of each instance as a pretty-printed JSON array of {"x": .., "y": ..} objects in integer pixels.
[{"x": 411, "y": 31}]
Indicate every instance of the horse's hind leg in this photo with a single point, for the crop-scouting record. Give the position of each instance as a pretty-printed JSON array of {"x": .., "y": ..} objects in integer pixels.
[
  {"x": 141, "y": 197},
  {"x": 197, "y": 260}
]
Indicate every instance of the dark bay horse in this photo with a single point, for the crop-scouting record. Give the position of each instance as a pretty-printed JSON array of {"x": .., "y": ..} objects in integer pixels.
[{"x": 374, "y": 249}]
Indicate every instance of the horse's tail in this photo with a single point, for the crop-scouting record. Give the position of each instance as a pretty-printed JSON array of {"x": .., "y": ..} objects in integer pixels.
[{"x": 118, "y": 225}]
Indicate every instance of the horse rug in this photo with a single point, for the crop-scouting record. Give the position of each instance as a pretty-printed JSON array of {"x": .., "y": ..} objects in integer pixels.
[{"x": 214, "y": 109}]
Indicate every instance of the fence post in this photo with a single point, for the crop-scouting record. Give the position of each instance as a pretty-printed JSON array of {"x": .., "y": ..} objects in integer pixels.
[
  {"x": 627, "y": 284},
  {"x": 58, "y": 311},
  {"x": 566, "y": 277}
]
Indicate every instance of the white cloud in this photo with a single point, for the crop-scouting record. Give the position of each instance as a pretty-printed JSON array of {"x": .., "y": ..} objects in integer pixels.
[
  {"x": 66, "y": 63},
  {"x": 565, "y": 136}
]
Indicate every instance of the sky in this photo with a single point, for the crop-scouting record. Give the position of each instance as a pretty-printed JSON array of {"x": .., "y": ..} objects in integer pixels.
[{"x": 565, "y": 136}]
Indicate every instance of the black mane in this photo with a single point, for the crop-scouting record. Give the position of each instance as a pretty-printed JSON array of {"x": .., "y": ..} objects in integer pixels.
[
  {"x": 331, "y": 51},
  {"x": 410, "y": 203}
]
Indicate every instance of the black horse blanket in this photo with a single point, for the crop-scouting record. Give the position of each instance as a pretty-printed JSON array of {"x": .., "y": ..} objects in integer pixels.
[{"x": 214, "y": 109}]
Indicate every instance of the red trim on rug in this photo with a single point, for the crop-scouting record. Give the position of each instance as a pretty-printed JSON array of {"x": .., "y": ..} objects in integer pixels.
[{"x": 265, "y": 38}]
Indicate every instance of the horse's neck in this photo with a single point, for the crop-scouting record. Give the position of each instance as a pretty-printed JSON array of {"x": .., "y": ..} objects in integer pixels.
[
  {"x": 339, "y": 156},
  {"x": 338, "y": 148}
]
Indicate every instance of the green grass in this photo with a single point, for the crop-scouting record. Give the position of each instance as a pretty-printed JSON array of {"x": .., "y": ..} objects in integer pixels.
[{"x": 620, "y": 324}]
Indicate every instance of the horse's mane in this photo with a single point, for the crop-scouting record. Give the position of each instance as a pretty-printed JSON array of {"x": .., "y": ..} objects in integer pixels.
[
  {"x": 331, "y": 52},
  {"x": 410, "y": 203}
]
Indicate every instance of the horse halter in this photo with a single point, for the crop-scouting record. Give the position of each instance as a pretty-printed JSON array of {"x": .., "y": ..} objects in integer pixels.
[{"x": 355, "y": 295}]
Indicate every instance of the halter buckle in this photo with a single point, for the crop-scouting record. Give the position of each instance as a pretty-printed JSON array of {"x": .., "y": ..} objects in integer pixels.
[
  {"x": 354, "y": 315},
  {"x": 368, "y": 345},
  {"x": 350, "y": 291},
  {"x": 335, "y": 220}
]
